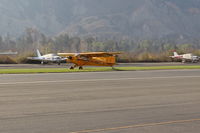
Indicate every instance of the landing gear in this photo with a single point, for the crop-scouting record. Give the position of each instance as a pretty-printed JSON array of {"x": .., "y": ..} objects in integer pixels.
[
  {"x": 71, "y": 68},
  {"x": 183, "y": 61},
  {"x": 80, "y": 68}
]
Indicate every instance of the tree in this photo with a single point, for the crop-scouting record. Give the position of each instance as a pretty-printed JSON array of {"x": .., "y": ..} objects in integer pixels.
[
  {"x": 75, "y": 43},
  {"x": 1, "y": 43},
  {"x": 62, "y": 42}
]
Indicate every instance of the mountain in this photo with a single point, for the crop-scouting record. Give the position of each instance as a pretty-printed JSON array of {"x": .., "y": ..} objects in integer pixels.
[{"x": 146, "y": 19}]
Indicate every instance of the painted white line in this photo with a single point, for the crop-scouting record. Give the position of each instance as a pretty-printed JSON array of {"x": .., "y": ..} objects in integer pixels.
[{"x": 93, "y": 80}]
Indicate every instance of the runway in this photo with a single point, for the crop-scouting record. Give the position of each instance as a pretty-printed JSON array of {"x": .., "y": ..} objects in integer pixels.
[{"x": 104, "y": 102}]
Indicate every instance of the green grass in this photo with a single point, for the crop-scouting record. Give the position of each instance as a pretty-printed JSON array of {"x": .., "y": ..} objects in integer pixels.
[
  {"x": 50, "y": 70},
  {"x": 93, "y": 69},
  {"x": 156, "y": 68}
]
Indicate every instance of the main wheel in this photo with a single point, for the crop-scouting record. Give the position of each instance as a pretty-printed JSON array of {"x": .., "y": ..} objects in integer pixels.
[
  {"x": 71, "y": 68},
  {"x": 80, "y": 68}
]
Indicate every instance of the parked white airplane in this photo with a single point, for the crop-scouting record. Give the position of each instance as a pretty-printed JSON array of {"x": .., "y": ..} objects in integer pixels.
[
  {"x": 47, "y": 58},
  {"x": 186, "y": 57},
  {"x": 8, "y": 53}
]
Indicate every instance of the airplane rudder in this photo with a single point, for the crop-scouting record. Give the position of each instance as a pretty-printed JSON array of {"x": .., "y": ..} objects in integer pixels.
[
  {"x": 38, "y": 53},
  {"x": 175, "y": 53}
]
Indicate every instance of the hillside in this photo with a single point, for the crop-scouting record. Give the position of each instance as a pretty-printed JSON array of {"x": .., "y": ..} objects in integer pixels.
[{"x": 146, "y": 19}]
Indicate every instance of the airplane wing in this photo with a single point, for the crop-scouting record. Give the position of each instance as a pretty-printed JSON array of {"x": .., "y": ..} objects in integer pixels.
[
  {"x": 90, "y": 54},
  {"x": 46, "y": 59},
  {"x": 99, "y": 54},
  {"x": 34, "y": 58},
  {"x": 66, "y": 54}
]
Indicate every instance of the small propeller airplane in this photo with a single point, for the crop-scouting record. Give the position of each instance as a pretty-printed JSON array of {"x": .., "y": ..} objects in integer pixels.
[
  {"x": 47, "y": 58},
  {"x": 186, "y": 57},
  {"x": 91, "y": 59}
]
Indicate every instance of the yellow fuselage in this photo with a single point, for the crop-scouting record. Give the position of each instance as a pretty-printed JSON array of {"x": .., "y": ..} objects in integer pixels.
[{"x": 93, "y": 61}]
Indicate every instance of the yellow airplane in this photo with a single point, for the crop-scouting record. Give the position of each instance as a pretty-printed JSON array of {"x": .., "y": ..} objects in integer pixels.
[{"x": 91, "y": 59}]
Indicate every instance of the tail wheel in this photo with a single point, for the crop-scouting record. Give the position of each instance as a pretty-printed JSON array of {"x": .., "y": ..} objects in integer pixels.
[{"x": 183, "y": 61}]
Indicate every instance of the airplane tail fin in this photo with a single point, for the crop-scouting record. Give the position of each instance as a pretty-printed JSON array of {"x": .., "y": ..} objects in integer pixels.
[
  {"x": 175, "y": 54},
  {"x": 38, "y": 53}
]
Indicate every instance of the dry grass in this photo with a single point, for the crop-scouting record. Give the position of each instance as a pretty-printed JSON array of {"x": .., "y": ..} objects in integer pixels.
[
  {"x": 7, "y": 60},
  {"x": 126, "y": 57},
  {"x": 144, "y": 57}
]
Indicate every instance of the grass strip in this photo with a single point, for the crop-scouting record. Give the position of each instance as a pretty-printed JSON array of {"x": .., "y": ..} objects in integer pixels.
[
  {"x": 50, "y": 70},
  {"x": 156, "y": 68},
  {"x": 91, "y": 69}
]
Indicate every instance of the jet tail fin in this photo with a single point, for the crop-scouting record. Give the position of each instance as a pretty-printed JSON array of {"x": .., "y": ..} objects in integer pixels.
[{"x": 38, "y": 53}]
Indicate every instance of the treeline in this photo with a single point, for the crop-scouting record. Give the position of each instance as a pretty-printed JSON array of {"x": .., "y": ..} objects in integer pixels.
[{"x": 133, "y": 50}]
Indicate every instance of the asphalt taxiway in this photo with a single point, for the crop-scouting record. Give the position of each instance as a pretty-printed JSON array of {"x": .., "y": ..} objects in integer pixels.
[{"x": 105, "y": 102}]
